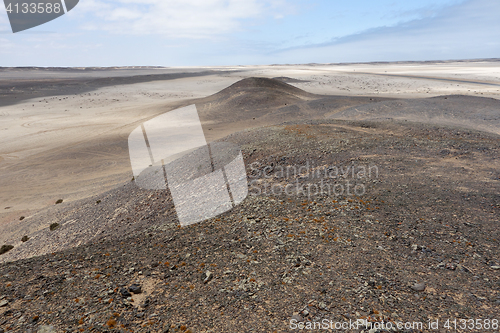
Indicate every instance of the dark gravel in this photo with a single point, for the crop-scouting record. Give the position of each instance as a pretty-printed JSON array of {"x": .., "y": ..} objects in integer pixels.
[{"x": 422, "y": 243}]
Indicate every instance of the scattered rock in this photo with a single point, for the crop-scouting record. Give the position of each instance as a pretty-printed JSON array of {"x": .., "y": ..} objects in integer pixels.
[
  {"x": 22, "y": 218},
  {"x": 6, "y": 248},
  {"x": 450, "y": 266},
  {"x": 208, "y": 277},
  {"x": 322, "y": 306},
  {"x": 254, "y": 263},
  {"x": 60, "y": 201},
  {"x": 146, "y": 303},
  {"x": 25, "y": 239},
  {"x": 46, "y": 329},
  {"x": 135, "y": 288},
  {"x": 124, "y": 292},
  {"x": 54, "y": 226},
  {"x": 416, "y": 248},
  {"x": 418, "y": 286},
  {"x": 3, "y": 303},
  {"x": 496, "y": 268}
]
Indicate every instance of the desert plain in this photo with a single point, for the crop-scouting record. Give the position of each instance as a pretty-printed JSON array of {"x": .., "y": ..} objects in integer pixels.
[{"x": 420, "y": 243}]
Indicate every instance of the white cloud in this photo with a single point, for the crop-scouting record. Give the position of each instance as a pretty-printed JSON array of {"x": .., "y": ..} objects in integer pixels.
[
  {"x": 464, "y": 31},
  {"x": 7, "y": 46},
  {"x": 4, "y": 21},
  {"x": 178, "y": 19}
]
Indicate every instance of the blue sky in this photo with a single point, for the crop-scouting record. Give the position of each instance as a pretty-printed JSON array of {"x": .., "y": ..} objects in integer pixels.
[{"x": 246, "y": 32}]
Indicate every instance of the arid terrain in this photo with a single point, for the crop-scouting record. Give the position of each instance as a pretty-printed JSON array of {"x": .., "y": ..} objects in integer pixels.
[{"x": 374, "y": 194}]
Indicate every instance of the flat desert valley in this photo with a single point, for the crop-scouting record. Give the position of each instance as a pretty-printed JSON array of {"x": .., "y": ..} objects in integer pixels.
[{"x": 420, "y": 243}]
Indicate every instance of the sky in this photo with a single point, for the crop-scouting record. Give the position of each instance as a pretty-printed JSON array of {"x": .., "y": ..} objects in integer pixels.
[{"x": 255, "y": 32}]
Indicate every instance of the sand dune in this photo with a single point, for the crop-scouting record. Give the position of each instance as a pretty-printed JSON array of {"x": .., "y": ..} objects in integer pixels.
[{"x": 255, "y": 102}]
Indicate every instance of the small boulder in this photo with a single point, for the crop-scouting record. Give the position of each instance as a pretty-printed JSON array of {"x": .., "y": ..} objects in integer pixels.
[
  {"x": 135, "y": 288},
  {"x": 418, "y": 286},
  {"x": 124, "y": 292},
  {"x": 46, "y": 329},
  {"x": 6, "y": 248},
  {"x": 208, "y": 277}
]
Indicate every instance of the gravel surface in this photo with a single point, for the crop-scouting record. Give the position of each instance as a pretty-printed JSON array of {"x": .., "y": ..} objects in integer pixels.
[{"x": 421, "y": 243}]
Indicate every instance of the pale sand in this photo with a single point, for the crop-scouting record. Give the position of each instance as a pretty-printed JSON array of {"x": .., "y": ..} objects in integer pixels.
[{"x": 72, "y": 146}]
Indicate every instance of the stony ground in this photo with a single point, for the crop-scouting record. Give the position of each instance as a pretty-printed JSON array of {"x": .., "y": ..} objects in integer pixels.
[{"x": 420, "y": 243}]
